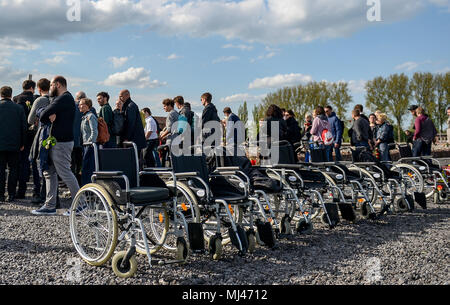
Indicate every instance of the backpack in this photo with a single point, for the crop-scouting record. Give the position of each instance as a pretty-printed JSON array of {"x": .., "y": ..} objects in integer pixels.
[
  {"x": 118, "y": 123},
  {"x": 182, "y": 123},
  {"x": 327, "y": 137},
  {"x": 342, "y": 125},
  {"x": 103, "y": 134}
]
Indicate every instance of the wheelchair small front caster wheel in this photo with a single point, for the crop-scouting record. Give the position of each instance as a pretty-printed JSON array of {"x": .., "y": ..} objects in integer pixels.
[
  {"x": 125, "y": 270},
  {"x": 304, "y": 227},
  {"x": 215, "y": 247},
  {"x": 401, "y": 205},
  {"x": 182, "y": 250},
  {"x": 285, "y": 225},
  {"x": 251, "y": 237}
]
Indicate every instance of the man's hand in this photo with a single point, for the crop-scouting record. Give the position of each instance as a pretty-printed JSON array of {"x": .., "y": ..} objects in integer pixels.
[
  {"x": 336, "y": 145},
  {"x": 52, "y": 118},
  {"x": 22, "y": 148}
]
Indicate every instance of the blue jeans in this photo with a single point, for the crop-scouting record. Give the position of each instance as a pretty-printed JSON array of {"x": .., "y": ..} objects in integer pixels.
[
  {"x": 362, "y": 144},
  {"x": 384, "y": 151}
]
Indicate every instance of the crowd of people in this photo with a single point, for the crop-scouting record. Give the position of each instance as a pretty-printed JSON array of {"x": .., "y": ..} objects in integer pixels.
[{"x": 49, "y": 135}]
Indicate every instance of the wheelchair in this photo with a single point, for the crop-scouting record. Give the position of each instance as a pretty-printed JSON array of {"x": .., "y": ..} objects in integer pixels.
[
  {"x": 109, "y": 212},
  {"x": 432, "y": 175}
]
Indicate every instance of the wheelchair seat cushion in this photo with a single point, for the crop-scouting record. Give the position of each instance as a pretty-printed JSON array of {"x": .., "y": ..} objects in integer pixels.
[
  {"x": 143, "y": 195},
  {"x": 230, "y": 197}
]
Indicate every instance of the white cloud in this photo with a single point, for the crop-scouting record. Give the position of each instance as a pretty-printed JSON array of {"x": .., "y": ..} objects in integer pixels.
[
  {"x": 280, "y": 80},
  {"x": 173, "y": 56},
  {"x": 357, "y": 86},
  {"x": 264, "y": 21},
  {"x": 118, "y": 62},
  {"x": 58, "y": 59},
  {"x": 133, "y": 77},
  {"x": 225, "y": 59},
  {"x": 407, "y": 66},
  {"x": 241, "y": 97},
  {"x": 241, "y": 47}
]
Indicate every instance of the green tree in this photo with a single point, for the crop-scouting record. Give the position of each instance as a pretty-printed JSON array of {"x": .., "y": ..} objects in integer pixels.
[
  {"x": 243, "y": 113},
  {"x": 441, "y": 101},
  {"x": 376, "y": 94},
  {"x": 340, "y": 98},
  {"x": 398, "y": 93},
  {"x": 423, "y": 86}
]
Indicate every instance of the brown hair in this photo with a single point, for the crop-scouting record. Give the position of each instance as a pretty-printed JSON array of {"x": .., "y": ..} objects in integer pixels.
[
  {"x": 274, "y": 112},
  {"x": 6, "y": 92},
  {"x": 61, "y": 80},
  {"x": 87, "y": 101},
  {"x": 227, "y": 110},
  {"x": 356, "y": 112},
  {"x": 359, "y": 107},
  {"x": 420, "y": 111},
  {"x": 44, "y": 84},
  {"x": 319, "y": 110},
  {"x": 28, "y": 84},
  {"x": 207, "y": 96},
  {"x": 179, "y": 100},
  {"x": 168, "y": 102}
]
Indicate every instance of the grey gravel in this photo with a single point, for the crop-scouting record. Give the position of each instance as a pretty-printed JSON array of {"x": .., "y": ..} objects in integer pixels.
[{"x": 400, "y": 249}]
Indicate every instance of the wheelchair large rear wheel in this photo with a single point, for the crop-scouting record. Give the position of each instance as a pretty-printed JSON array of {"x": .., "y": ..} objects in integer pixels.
[
  {"x": 93, "y": 224},
  {"x": 414, "y": 181},
  {"x": 153, "y": 220}
]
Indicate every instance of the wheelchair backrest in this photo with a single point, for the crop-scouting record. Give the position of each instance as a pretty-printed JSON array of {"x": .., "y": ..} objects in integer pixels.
[
  {"x": 285, "y": 151},
  {"x": 405, "y": 151},
  {"x": 185, "y": 164},
  {"x": 120, "y": 159}
]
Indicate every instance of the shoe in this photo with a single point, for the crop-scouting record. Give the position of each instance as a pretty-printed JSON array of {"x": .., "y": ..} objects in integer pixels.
[
  {"x": 78, "y": 211},
  {"x": 44, "y": 211},
  {"x": 37, "y": 199}
]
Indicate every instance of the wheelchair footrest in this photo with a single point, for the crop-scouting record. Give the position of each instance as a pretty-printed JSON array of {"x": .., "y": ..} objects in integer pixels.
[
  {"x": 241, "y": 236},
  {"x": 266, "y": 233},
  {"x": 347, "y": 211},
  {"x": 196, "y": 238},
  {"x": 421, "y": 199},
  {"x": 332, "y": 211}
]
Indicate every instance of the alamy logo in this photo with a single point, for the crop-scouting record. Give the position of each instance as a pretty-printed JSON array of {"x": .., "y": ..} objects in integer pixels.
[
  {"x": 373, "y": 273},
  {"x": 374, "y": 12},
  {"x": 74, "y": 12}
]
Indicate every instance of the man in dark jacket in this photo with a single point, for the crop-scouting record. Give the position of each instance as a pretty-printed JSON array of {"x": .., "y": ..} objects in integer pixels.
[
  {"x": 209, "y": 115},
  {"x": 60, "y": 113},
  {"x": 13, "y": 128},
  {"x": 25, "y": 100},
  {"x": 133, "y": 129},
  {"x": 336, "y": 130},
  {"x": 106, "y": 113},
  {"x": 293, "y": 130},
  {"x": 361, "y": 128}
]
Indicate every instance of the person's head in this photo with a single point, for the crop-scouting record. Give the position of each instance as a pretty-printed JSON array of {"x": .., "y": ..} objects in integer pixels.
[
  {"x": 420, "y": 111},
  {"x": 359, "y": 107},
  {"x": 102, "y": 98},
  {"x": 58, "y": 86},
  {"x": 43, "y": 86},
  {"x": 79, "y": 95},
  {"x": 381, "y": 118},
  {"x": 227, "y": 111},
  {"x": 356, "y": 114},
  {"x": 179, "y": 102},
  {"x": 168, "y": 104},
  {"x": 85, "y": 105},
  {"x": 328, "y": 110},
  {"x": 413, "y": 109},
  {"x": 146, "y": 111},
  {"x": 206, "y": 98},
  {"x": 6, "y": 92},
  {"x": 373, "y": 118},
  {"x": 448, "y": 110},
  {"x": 308, "y": 117},
  {"x": 274, "y": 112},
  {"x": 407, "y": 132},
  {"x": 29, "y": 85},
  {"x": 319, "y": 111},
  {"x": 119, "y": 104},
  {"x": 124, "y": 95},
  {"x": 187, "y": 105}
]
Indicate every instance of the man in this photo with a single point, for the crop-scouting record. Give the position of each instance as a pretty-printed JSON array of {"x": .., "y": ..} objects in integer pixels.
[
  {"x": 361, "y": 127},
  {"x": 25, "y": 100},
  {"x": 13, "y": 129},
  {"x": 336, "y": 126},
  {"x": 43, "y": 86},
  {"x": 186, "y": 116},
  {"x": 424, "y": 134},
  {"x": 209, "y": 115},
  {"x": 234, "y": 130},
  {"x": 293, "y": 130},
  {"x": 133, "y": 130},
  {"x": 77, "y": 152},
  {"x": 61, "y": 114},
  {"x": 106, "y": 113},
  {"x": 170, "y": 131},
  {"x": 151, "y": 157}
]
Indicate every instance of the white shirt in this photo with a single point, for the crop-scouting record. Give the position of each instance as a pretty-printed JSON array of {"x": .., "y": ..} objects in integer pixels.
[{"x": 150, "y": 125}]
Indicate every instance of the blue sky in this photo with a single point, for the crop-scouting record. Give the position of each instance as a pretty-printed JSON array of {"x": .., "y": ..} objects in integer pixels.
[{"x": 237, "y": 50}]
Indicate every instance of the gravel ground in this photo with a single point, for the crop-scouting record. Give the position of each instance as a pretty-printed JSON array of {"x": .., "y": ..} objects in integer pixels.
[{"x": 411, "y": 248}]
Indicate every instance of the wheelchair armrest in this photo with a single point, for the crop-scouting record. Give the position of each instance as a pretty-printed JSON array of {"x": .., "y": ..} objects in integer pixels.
[
  {"x": 227, "y": 168},
  {"x": 187, "y": 174},
  {"x": 157, "y": 169},
  {"x": 108, "y": 174}
]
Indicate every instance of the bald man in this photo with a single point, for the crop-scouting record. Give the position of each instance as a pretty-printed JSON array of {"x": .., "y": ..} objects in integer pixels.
[{"x": 133, "y": 129}]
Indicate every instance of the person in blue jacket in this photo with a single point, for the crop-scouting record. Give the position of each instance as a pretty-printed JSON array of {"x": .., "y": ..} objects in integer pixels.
[{"x": 337, "y": 129}]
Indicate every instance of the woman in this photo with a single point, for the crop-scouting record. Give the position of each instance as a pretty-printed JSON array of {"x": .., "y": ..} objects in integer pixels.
[
  {"x": 89, "y": 133},
  {"x": 319, "y": 125},
  {"x": 373, "y": 128},
  {"x": 382, "y": 137},
  {"x": 274, "y": 115}
]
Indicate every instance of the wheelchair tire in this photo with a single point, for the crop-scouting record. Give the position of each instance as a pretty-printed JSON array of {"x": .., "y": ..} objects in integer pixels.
[
  {"x": 413, "y": 173},
  {"x": 160, "y": 235},
  {"x": 182, "y": 249},
  {"x": 285, "y": 225},
  {"x": 215, "y": 247},
  {"x": 401, "y": 205},
  {"x": 364, "y": 210},
  {"x": 251, "y": 237},
  {"x": 128, "y": 270},
  {"x": 304, "y": 227},
  {"x": 95, "y": 205}
]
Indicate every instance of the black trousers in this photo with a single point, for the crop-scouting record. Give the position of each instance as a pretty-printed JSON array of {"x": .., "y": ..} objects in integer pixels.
[
  {"x": 10, "y": 159},
  {"x": 149, "y": 155},
  {"x": 77, "y": 162}
]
